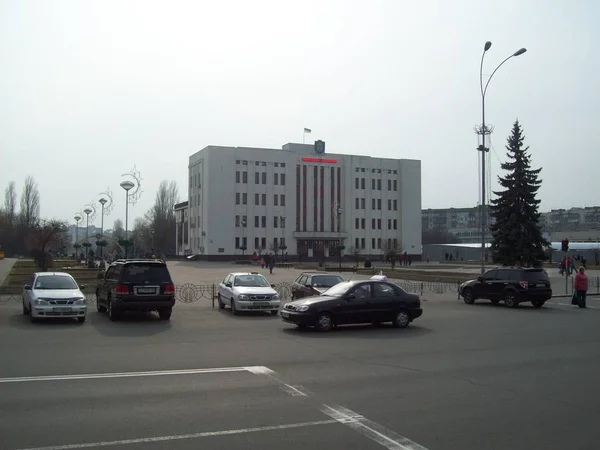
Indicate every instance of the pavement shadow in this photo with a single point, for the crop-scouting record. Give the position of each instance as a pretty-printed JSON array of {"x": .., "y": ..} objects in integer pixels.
[
  {"x": 363, "y": 331},
  {"x": 22, "y": 322},
  {"x": 547, "y": 308},
  {"x": 130, "y": 324},
  {"x": 249, "y": 315}
]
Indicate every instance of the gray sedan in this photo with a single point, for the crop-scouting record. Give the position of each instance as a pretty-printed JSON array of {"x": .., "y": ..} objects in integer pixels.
[{"x": 53, "y": 294}]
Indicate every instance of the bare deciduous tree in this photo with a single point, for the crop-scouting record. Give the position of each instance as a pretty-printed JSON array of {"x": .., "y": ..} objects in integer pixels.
[
  {"x": 162, "y": 217},
  {"x": 10, "y": 202},
  {"x": 355, "y": 251},
  {"x": 30, "y": 204},
  {"x": 118, "y": 229},
  {"x": 46, "y": 235},
  {"x": 390, "y": 249}
]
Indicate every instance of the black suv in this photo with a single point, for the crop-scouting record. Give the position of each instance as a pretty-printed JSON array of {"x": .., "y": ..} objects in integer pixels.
[
  {"x": 513, "y": 285},
  {"x": 135, "y": 285}
]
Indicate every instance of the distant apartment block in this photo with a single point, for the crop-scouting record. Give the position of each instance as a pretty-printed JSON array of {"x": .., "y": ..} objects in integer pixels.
[{"x": 463, "y": 223}]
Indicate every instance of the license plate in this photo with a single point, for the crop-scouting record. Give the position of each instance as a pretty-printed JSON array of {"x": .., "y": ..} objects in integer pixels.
[
  {"x": 285, "y": 314},
  {"x": 61, "y": 309},
  {"x": 261, "y": 303},
  {"x": 540, "y": 285},
  {"x": 146, "y": 291}
]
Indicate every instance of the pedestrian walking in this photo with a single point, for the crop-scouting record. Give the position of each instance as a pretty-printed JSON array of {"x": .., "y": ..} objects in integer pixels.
[{"x": 580, "y": 286}]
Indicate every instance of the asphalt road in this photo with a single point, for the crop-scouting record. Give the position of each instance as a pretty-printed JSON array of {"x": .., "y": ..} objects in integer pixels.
[{"x": 460, "y": 378}]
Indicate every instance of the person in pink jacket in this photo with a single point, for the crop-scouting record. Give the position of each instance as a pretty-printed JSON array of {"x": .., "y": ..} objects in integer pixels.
[{"x": 581, "y": 286}]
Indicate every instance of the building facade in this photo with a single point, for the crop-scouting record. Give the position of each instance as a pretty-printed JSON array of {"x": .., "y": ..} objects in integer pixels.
[
  {"x": 297, "y": 201},
  {"x": 182, "y": 246}
]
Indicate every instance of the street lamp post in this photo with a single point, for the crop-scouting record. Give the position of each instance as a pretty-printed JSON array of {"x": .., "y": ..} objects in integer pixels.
[
  {"x": 243, "y": 246},
  {"x": 87, "y": 212},
  {"x": 127, "y": 186},
  {"x": 77, "y": 219},
  {"x": 483, "y": 131},
  {"x": 282, "y": 244},
  {"x": 102, "y": 202}
]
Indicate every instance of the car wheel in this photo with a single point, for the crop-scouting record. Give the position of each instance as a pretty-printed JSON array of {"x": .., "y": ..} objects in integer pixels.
[
  {"x": 220, "y": 302},
  {"x": 112, "y": 314},
  {"x": 274, "y": 312},
  {"x": 468, "y": 296},
  {"x": 81, "y": 319},
  {"x": 99, "y": 307},
  {"x": 324, "y": 322},
  {"x": 234, "y": 310},
  {"x": 510, "y": 299},
  {"x": 165, "y": 313},
  {"x": 538, "y": 303},
  {"x": 401, "y": 320}
]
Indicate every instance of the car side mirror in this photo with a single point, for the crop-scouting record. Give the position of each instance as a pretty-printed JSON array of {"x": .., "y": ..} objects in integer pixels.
[
  {"x": 351, "y": 297},
  {"x": 27, "y": 287},
  {"x": 273, "y": 286},
  {"x": 480, "y": 279},
  {"x": 308, "y": 285},
  {"x": 227, "y": 284},
  {"x": 82, "y": 286}
]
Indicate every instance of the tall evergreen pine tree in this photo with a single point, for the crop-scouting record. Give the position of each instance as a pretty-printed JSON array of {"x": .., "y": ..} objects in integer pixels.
[{"x": 517, "y": 236}]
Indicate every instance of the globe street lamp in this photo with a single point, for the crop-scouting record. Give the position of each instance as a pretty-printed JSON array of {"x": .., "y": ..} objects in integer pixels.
[
  {"x": 483, "y": 131},
  {"x": 103, "y": 202},
  {"x": 127, "y": 186},
  {"x": 87, "y": 212},
  {"x": 243, "y": 247},
  {"x": 77, "y": 219},
  {"x": 282, "y": 245}
]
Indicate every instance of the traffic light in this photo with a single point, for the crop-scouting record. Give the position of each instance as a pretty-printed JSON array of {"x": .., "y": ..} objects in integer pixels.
[{"x": 565, "y": 245}]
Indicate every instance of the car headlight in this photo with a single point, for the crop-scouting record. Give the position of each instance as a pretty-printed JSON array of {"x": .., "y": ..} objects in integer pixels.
[
  {"x": 243, "y": 297},
  {"x": 80, "y": 301},
  {"x": 302, "y": 308},
  {"x": 40, "y": 302},
  {"x": 275, "y": 297}
]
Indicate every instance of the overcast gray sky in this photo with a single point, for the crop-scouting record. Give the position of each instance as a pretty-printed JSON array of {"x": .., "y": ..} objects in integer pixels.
[{"x": 88, "y": 89}]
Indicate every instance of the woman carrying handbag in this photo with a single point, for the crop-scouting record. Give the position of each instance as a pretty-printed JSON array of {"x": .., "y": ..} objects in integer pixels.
[{"x": 581, "y": 286}]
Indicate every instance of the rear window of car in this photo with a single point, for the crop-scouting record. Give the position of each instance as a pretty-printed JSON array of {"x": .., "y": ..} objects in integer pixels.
[
  {"x": 139, "y": 273},
  {"x": 325, "y": 280},
  {"x": 536, "y": 275}
]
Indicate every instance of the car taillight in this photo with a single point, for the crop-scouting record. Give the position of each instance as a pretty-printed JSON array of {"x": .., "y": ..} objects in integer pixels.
[
  {"x": 121, "y": 289},
  {"x": 524, "y": 284},
  {"x": 170, "y": 289}
]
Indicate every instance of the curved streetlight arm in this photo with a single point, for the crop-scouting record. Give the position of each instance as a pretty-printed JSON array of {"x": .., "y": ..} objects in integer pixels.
[{"x": 484, "y": 90}]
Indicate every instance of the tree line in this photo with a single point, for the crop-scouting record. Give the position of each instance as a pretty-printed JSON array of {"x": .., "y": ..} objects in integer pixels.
[{"x": 23, "y": 231}]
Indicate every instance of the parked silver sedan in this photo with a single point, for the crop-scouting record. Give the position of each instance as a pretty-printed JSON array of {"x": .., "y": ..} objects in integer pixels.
[{"x": 53, "y": 294}]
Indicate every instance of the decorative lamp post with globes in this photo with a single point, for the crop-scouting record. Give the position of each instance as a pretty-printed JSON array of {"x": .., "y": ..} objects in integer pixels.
[
  {"x": 87, "y": 212},
  {"x": 76, "y": 245},
  {"x": 485, "y": 130},
  {"x": 127, "y": 186},
  {"x": 101, "y": 241}
]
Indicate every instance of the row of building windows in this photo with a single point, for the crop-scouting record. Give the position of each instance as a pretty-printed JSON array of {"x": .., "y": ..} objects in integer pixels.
[
  {"x": 360, "y": 183},
  {"x": 362, "y": 169},
  {"x": 259, "y": 221},
  {"x": 259, "y": 178},
  {"x": 359, "y": 203},
  {"x": 259, "y": 163},
  {"x": 359, "y": 224},
  {"x": 259, "y": 243},
  {"x": 259, "y": 199},
  {"x": 359, "y": 243}
]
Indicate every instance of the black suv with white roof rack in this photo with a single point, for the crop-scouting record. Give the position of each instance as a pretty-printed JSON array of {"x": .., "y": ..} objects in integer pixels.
[
  {"x": 513, "y": 285},
  {"x": 135, "y": 285}
]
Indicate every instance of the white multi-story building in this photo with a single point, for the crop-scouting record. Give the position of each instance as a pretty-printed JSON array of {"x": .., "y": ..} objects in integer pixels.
[{"x": 243, "y": 200}]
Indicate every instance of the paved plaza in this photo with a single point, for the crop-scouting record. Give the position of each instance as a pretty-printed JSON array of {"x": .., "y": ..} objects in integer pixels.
[{"x": 462, "y": 377}]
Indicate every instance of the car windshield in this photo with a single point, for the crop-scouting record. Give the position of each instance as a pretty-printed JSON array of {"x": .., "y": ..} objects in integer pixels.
[
  {"x": 140, "y": 273},
  {"x": 326, "y": 280},
  {"x": 339, "y": 289},
  {"x": 55, "y": 282},
  {"x": 250, "y": 281}
]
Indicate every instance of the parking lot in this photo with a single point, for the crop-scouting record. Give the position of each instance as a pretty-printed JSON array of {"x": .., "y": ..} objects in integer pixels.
[{"x": 462, "y": 377}]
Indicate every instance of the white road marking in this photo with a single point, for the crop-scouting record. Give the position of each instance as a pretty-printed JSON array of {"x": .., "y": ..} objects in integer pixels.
[
  {"x": 91, "y": 376},
  {"x": 370, "y": 429},
  {"x": 294, "y": 391},
  {"x": 178, "y": 437}
]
